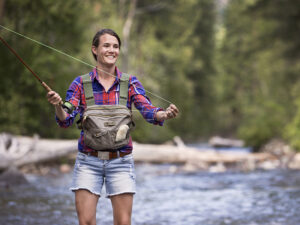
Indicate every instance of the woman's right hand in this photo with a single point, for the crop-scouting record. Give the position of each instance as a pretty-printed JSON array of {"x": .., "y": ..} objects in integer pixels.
[{"x": 54, "y": 98}]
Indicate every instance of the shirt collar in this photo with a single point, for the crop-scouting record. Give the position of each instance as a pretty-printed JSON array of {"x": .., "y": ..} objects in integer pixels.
[{"x": 94, "y": 74}]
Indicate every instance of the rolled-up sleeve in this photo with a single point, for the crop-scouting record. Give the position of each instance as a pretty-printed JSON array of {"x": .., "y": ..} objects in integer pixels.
[
  {"x": 73, "y": 96},
  {"x": 68, "y": 121},
  {"x": 142, "y": 102}
]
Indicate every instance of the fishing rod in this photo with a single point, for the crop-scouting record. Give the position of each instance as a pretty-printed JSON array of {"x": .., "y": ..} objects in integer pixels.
[
  {"x": 21, "y": 60},
  {"x": 76, "y": 59},
  {"x": 67, "y": 107}
]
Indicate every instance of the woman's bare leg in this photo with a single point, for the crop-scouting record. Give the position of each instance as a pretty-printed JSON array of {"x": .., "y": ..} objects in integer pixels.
[
  {"x": 122, "y": 208},
  {"x": 86, "y": 204}
]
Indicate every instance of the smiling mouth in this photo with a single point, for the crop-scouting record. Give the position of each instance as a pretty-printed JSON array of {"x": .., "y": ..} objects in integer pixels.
[{"x": 110, "y": 57}]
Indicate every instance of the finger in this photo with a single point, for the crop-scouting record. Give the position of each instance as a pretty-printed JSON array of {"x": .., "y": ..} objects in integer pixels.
[
  {"x": 52, "y": 97},
  {"x": 173, "y": 107},
  {"x": 174, "y": 113},
  {"x": 170, "y": 114},
  {"x": 55, "y": 100},
  {"x": 50, "y": 94}
]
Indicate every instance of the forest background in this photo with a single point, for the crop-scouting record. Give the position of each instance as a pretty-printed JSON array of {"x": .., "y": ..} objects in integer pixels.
[{"x": 231, "y": 66}]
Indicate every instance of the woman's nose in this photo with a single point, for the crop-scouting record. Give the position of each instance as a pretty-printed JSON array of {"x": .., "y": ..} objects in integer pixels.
[{"x": 111, "y": 49}]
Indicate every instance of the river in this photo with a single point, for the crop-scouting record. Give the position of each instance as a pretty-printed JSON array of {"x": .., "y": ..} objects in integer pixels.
[{"x": 166, "y": 198}]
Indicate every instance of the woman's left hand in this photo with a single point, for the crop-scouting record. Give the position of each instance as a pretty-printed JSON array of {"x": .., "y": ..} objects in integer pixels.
[{"x": 171, "y": 112}]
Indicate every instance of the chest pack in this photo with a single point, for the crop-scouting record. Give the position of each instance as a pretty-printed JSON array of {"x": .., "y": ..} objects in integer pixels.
[{"x": 106, "y": 127}]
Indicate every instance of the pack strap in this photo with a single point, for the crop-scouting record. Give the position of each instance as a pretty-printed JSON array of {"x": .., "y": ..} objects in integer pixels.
[
  {"x": 124, "y": 80},
  {"x": 88, "y": 89}
]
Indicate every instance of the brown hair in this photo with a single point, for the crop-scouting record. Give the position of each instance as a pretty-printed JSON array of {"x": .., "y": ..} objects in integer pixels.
[{"x": 97, "y": 36}]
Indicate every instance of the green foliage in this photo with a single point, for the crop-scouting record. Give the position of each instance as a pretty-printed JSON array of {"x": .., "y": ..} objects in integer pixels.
[
  {"x": 257, "y": 77},
  {"x": 161, "y": 53},
  {"x": 231, "y": 69},
  {"x": 25, "y": 109},
  {"x": 292, "y": 131}
]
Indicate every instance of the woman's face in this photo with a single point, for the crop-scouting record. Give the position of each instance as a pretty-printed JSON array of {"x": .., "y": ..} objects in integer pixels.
[{"x": 107, "y": 51}]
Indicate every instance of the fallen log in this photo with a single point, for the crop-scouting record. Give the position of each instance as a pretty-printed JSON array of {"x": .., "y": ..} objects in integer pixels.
[
  {"x": 17, "y": 151},
  {"x": 217, "y": 141},
  {"x": 192, "y": 159},
  {"x": 173, "y": 154}
]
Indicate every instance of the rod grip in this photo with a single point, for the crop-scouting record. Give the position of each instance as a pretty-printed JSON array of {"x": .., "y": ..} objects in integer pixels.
[
  {"x": 46, "y": 86},
  {"x": 49, "y": 89}
]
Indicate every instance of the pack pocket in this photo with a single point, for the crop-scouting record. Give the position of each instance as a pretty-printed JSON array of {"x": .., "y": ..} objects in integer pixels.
[
  {"x": 107, "y": 127},
  {"x": 99, "y": 140},
  {"x": 100, "y": 134}
]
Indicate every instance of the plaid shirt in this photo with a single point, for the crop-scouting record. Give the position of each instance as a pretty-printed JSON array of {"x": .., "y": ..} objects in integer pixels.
[{"x": 136, "y": 94}]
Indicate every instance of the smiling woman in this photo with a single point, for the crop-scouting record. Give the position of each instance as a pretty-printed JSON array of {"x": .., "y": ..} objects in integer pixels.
[
  {"x": 106, "y": 48},
  {"x": 104, "y": 98},
  {"x": 106, "y": 54}
]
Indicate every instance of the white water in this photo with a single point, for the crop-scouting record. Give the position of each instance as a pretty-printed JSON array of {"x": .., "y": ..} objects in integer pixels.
[{"x": 163, "y": 198}]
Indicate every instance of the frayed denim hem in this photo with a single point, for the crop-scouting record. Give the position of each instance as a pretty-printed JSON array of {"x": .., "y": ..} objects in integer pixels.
[
  {"x": 78, "y": 188},
  {"x": 120, "y": 193}
]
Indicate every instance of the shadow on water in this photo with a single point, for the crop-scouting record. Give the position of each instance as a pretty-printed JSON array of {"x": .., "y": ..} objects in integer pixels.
[{"x": 164, "y": 198}]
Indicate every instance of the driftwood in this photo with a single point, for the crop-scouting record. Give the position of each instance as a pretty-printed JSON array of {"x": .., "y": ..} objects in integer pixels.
[
  {"x": 17, "y": 151},
  {"x": 194, "y": 159},
  {"x": 277, "y": 155},
  {"x": 217, "y": 141},
  {"x": 173, "y": 154}
]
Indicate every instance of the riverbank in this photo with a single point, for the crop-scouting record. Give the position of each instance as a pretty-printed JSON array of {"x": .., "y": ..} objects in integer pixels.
[
  {"x": 184, "y": 159},
  {"x": 35, "y": 155}
]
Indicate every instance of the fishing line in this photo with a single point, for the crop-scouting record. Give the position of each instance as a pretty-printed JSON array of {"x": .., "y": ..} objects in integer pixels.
[{"x": 76, "y": 59}]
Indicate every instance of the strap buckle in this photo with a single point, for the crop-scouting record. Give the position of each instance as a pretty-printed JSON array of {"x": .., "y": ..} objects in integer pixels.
[{"x": 103, "y": 155}]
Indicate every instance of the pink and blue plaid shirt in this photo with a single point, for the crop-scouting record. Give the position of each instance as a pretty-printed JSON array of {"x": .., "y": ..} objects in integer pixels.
[{"x": 136, "y": 94}]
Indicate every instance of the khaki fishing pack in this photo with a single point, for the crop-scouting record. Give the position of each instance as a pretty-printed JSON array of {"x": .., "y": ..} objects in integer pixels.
[{"x": 106, "y": 127}]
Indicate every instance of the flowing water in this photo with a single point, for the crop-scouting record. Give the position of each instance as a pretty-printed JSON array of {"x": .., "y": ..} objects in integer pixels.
[{"x": 165, "y": 198}]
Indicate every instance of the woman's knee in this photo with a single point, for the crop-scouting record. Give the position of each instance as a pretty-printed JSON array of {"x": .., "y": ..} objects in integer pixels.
[
  {"x": 123, "y": 221},
  {"x": 86, "y": 221},
  {"x": 86, "y": 204}
]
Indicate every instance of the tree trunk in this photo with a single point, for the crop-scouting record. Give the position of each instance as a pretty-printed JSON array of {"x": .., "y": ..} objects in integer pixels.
[{"x": 126, "y": 35}]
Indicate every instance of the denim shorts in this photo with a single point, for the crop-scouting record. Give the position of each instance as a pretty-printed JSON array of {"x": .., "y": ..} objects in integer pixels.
[{"x": 90, "y": 173}]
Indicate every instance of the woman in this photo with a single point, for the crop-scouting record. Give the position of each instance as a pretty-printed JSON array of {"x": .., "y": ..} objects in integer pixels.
[{"x": 116, "y": 171}]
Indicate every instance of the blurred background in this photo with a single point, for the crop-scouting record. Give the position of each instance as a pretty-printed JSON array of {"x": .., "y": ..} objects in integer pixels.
[{"x": 231, "y": 67}]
